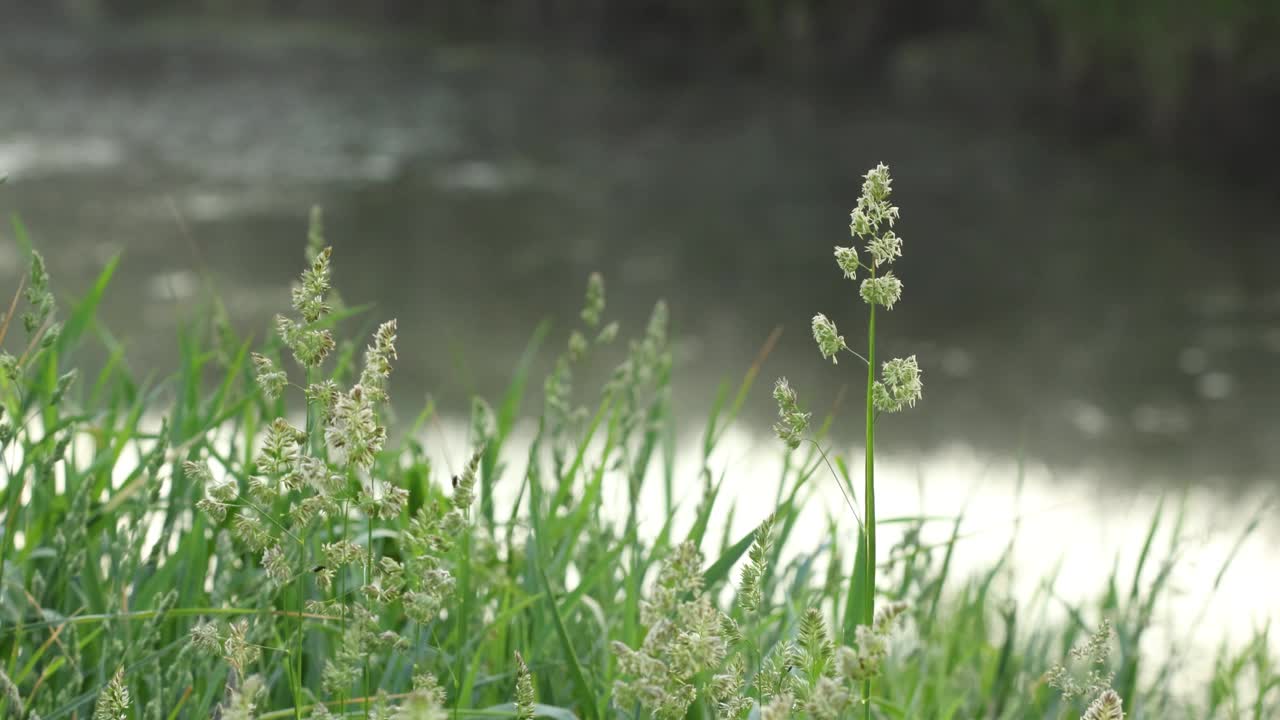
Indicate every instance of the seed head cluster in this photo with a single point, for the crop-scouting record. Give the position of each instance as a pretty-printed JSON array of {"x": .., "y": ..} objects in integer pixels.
[
  {"x": 326, "y": 475},
  {"x": 866, "y": 661},
  {"x": 871, "y": 222},
  {"x": 683, "y": 641},
  {"x": 749, "y": 589},
  {"x": 114, "y": 702},
  {"x": 830, "y": 341},
  {"x": 1092, "y": 655},
  {"x": 792, "y": 423},
  {"x": 1107, "y": 706},
  {"x": 900, "y": 387}
]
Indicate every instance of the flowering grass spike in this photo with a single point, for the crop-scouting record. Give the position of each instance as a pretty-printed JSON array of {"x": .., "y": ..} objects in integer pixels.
[
  {"x": 114, "y": 702},
  {"x": 792, "y": 422},
  {"x": 1107, "y": 706},
  {"x": 829, "y": 340}
]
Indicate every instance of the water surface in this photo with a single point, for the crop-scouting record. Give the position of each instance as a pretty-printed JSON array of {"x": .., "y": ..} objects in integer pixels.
[{"x": 1070, "y": 302}]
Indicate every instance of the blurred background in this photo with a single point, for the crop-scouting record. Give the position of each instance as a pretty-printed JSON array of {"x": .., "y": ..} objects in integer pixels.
[{"x": 1090, "y": 196}]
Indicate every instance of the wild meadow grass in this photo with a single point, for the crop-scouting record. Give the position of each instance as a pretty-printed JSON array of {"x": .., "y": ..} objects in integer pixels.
[{"x": 271, "y": 549}]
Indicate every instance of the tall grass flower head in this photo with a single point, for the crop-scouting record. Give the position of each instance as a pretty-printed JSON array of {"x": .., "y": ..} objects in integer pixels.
[{"x": 793, "y": 422}]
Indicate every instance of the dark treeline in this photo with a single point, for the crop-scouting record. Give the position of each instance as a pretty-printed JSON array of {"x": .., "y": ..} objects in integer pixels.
[{"x": 1198, "y": 80}]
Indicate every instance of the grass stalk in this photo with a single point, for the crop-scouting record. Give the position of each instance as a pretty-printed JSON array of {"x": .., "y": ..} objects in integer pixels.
[{"x": 869, "y": 497}]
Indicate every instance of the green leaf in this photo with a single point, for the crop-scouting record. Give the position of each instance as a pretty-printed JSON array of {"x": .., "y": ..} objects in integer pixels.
[{"x": 585, "y": 695}]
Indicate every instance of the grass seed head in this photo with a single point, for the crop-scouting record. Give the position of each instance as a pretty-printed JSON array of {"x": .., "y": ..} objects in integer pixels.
[
  {"x": 847, "y": 259},
  {"x": 828, "y": 699},
  {"x": 270, "y": 379},
  {"x": 114, "y": 701},
  {"x": 885, "y": 290},
  {"x": 377, "y": 362},
  {"x": 778, "y": 708},
  {"x": 792, "y": 422},
  {"x": 901, "y": 386},
  {"x": 1107, "y": 706},
  {"x": 829, "y": 340},
  {"x": 524, "y": 690}
]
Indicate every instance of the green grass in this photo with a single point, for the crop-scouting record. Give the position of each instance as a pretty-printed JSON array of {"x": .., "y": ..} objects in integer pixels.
[{"x": 543, "y": 565}]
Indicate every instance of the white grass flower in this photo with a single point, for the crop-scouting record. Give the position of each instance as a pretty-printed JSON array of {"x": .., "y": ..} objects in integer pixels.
[
  {"x": 778, "y": 708},
  {"x": 792, "y": 422},
  {"x": 391, "y": 503},
  {"x": 240, "y": 653},
  {"x": 419, "y": 706},
  {"x": 316, "y": 474},
  {"x": 847, "y": 259},
  {"x": 262, "y": 488},
  {"x": 885, "y": 249},
  {"x": 887, "y": 615},
  {"x": 422, "y": 606},
  {"x": 324, "y": 578},
  {"x": 866, "y": 662},
  {"x": 218, "y": 493},
  {"x": 426, "y": 702},
  {"x": 217, "y": 511},
  {"x": 1107, "y": 706},
  {"x": 1096, "y": 649},
  {"x": 725, "y": 690},
  {"x": 325, "y": 395},
  {"x": 683, "y": 641},
  {"x": 310, "y": 295},
  {"x": 311, "y": 507},
  {"x": 205, "y": 638},
  {"x": 340, "y": 552},
  {"x": 377, "y": 362},
  {"x": 873, "y": 209},
  {"x": 242, "y": 703},
  {"x": 280, "y": 448},
  {"x": 828, "y": 699},
  {"x": 310, "y": 346},
  {"x": 253, "y": 533},
  {"x": 854, "y": 666},
  {"x": 884, "y": 291},
  {"x": 198, "y": 472},
  {"x": 114, "y": 701},
  {"x": 277, "y": 565},
  {"x": 1093, "y": 652},
  {"x": 353, "y": 435},
  {"x": 829, "y": 340},
  {"x": 338, "y": 675},
  {"x": 271, "y": 379},
  {"x": 901, "y": 387},
  {"x": 427, "y": 684}
]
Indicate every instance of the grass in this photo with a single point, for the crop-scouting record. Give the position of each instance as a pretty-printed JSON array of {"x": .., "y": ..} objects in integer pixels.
[{"x": 406, "y": 589}]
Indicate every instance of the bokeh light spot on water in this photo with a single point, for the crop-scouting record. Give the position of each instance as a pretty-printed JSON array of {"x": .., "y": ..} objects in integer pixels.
[{"x": 1216, "y": 385}]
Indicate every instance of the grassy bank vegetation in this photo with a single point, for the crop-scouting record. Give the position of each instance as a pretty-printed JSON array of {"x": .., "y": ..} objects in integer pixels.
[{"x": 271, "y": 549}]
